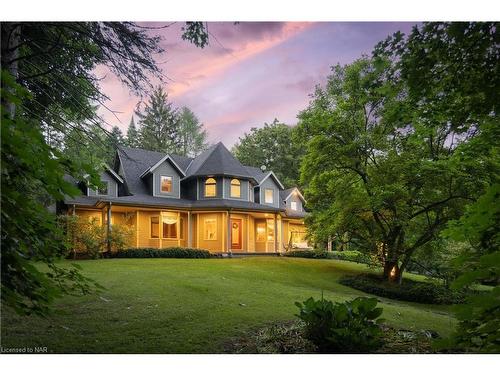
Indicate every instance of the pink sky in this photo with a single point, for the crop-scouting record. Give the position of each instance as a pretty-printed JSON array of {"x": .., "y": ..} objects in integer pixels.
[{"x": 251, "y": 72}]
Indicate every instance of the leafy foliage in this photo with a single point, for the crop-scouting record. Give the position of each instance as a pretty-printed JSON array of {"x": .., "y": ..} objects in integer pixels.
[
  {"x": 171, "y": 252},
  {"x": 349, "y": 327},
  {"x": 410, "y": 290},
  {"x": 274, "y": 147}
]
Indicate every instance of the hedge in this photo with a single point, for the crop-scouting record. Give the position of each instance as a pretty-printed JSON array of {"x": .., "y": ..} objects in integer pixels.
[
  {"x": 171, "y": 252},
  {"x": 307, "y": 254},
  {"x": 409, "y": 290},
  {"x": 351, "y": 256}
]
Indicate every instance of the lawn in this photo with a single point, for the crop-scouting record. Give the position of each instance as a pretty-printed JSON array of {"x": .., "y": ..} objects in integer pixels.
[{"x": 195, "y": 305}]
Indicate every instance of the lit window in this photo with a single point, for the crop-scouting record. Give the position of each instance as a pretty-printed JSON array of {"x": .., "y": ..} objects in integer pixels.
[
  {"x": 269, "y": 196},
  {"x": 166, "y": 184},
  {"x": 103, "y": 190},
  {"x": 210, "y": 229},
  {"x": 155, "y": 227},
  {"x": 270, "y": 230},
  {"x": 235, "y": 188},
  {"x": 261, "y": 232},
  {"x": 210, "y": 187},
  {"x": 293, "y": 205},
  {"x": 169, "y": 226}
]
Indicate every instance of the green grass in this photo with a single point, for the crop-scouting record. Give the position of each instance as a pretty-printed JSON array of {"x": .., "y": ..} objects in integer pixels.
[{"x": 195, "y": 305}]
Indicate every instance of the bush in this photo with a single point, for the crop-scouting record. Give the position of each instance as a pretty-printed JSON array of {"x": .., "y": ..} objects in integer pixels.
[
  {"x": 316, "y": 254},
  {"x": 348, "y": 327},
  {"x": 351, "y": 256},
  {"x": 410, "y": 290},
  {"x": 171, "y": 252}
]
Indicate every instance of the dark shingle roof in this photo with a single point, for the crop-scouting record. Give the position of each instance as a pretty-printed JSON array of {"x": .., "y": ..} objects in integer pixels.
[
  {"x": 217, "y": 160},
  {"x": 285, "y": 193}
]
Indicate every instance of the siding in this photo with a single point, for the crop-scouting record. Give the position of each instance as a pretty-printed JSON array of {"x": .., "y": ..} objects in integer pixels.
[
  {"x": 112, "y": 186},
  {"x": 201, "y": 188},
  {"x": 294, "y": 198},
  {"x": 243, "y": 189},
  {"x": 166, "y": 169},
  {"x": 269, "y": 184}
]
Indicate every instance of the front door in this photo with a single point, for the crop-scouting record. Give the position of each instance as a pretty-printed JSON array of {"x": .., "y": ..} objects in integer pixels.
[{"x": 236, "y": 234}]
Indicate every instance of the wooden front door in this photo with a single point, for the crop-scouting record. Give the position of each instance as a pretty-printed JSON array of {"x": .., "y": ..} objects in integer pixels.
[{"x": 236, "y": 234}]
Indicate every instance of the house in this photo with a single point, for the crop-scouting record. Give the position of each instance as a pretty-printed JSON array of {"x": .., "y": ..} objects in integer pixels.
[{"x": 209, "y": 202}]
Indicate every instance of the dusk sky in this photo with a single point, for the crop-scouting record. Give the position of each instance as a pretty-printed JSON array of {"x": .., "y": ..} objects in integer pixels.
[{"x": 251, "y": 72}]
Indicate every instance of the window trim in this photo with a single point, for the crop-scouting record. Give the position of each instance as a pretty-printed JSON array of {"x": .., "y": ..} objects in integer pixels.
[
  {"x": 210, "y": 184},
  {"x": 150, "y": 228},
  {"x": 171, "y": 184},
  {"x": 214, "y": 219},
  {"x": 236, "y": 183},
  {"x": 294, "y": 206},
  {"x": 265, "y": 195}
]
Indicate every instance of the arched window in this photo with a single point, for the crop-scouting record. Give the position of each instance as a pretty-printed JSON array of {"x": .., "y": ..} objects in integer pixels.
[
  {"x": 235, "y": 188},
  {"x": 210, "y": 187}
]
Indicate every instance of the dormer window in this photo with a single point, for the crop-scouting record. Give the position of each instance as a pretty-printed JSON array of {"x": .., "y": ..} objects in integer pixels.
[
  {"x": 166, "y": 184},
  {"x": 269, "y": 196},
  {"x": 210, "y": 187},
  {"x": 293, "y": 205},
  {"x": 103, "y": 189},
  {"x": 235, "y": 188}
]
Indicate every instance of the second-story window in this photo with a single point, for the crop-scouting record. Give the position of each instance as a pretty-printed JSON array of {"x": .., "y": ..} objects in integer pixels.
[
  {"x": 235, "y": 188},
  {"x": 210, "y": 187},
  {"x": 293, "y": 204},
  {"x": 103, "y": 190},
  {"x": 269, "y": 196},
  {"x": 166, "y": 184}
]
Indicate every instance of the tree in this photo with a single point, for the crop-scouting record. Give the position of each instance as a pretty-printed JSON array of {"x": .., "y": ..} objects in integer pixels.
[
  {"x": 193, "y": 138},
  {"x": 159, "y": 123},
  {"x": 373, "y": 170},
  {"x": 49, "y": 85},
  {"x": 274, "y": 147},
  {"x": 132, "y": 135}
]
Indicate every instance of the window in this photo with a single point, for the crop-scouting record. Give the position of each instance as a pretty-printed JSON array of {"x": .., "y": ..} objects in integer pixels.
[
  {"x": 155, "y": 227},
  {"x": 293, "y": 204},
  {"x": 166, "y": 184},
  {"x": 235, "y": 188},
  {"x": 261, "y": 232},
  {"x": 270, "y": 230},
  {"x": 169, "y": 226},
  {"x": 210, "y": 229},
  {"x": 103, "y": 190},
  {"x": 269, "y": 196},
  {"x": 210, "y": 187}
]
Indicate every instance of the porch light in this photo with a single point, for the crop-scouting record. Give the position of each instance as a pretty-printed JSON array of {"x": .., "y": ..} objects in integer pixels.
[{"x": 393, "y": 272}]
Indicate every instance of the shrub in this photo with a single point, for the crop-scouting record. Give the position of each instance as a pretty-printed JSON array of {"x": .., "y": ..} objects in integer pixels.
[
  {"x": 351, "y": 256},
  {"x": 171, "y": 252},
  {"x": 317, "y": 254},
  {"x": 349, "y": 327},
  {"x": 409, "y": 290}
]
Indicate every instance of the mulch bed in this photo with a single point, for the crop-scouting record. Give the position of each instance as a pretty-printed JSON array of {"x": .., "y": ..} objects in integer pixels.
[{"x": 287, "y": 338}]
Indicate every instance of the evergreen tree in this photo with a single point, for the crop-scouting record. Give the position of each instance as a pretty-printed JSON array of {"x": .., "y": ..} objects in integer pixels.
[
  {"x": 193, "y": 138},
  {"x": 159, "y": 124},
  {"x": 132, "y": 134}
]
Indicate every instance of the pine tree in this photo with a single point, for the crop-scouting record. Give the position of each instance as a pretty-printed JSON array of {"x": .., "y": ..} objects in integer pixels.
[
  {"x": 159, "y": 124},
  {"x": 132, "y": 135},
  {"x": 193, "y": 138}
]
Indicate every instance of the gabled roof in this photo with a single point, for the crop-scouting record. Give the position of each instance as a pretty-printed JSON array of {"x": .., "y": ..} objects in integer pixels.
[
  {"x": 285, "y": 194},
  {"x": 113, "y": 173},
  {"x": 160, "y": 162},
  {"x": 217, "y": 160},
  {"x": 271, "y": 174}
]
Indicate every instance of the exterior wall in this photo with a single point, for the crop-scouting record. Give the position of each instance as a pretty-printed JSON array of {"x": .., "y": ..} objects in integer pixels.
[
  {"x": 127, "y": 220},
  {"x": 201, "y": 188},
  {"x": 112, "y": 186},
  {"x": 243, "y": 189},
  {"x": 270, "y": 184},
  {"x": 90, "y": 215},
  {"x": 144, "y": 231},
  {"x": 166, "y": 169},
  {"x": 188, "y": 189},
  {"x": 294, "y": 198}
]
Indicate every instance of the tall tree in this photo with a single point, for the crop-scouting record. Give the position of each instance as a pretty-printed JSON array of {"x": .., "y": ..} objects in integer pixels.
[
  {"x": 132, "y": 134},
  {"x": 274, "y": 147},
  {"x": 193, "y": 138},
  {"x": 159, "y": 123},
  {"x": 48, "y": 72}
]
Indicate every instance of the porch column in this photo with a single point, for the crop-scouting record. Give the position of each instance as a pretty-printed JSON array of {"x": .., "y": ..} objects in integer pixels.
[
  {"x": 189, "y": 232},
  {"x": 178, "y": 228},
  {"x": 137, "y": 229},
  {"x": 228, "y": 237},
  {"x": 282, "y": 237},
  {"x": 109, "y": 228},
  {"x": 74, "y": 210},
  {"x": 275, "y": 233}
]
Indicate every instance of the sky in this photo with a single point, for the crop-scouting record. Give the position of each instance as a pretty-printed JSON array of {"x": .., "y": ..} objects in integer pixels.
[{"x": 251, "y": 72}]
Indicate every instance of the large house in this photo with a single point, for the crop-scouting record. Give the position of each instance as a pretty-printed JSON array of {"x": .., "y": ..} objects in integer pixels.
[{"x": 209, "y": 202}]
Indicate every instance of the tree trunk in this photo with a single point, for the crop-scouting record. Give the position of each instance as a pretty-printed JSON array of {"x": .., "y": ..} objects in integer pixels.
[{"x": 11, "y": 36}]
